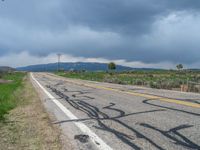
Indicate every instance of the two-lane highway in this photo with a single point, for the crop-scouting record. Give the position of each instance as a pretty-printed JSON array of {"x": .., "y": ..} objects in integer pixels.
[{"x": 105, "y": 116}]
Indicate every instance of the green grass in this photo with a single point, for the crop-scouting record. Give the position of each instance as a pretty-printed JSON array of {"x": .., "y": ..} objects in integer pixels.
[
  {"x": 161, "y": 79},
  {"x": 7, "y": 92}
]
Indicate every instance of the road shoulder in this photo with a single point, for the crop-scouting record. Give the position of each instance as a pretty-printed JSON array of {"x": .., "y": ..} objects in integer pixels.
[{"x": 28, "y": 126}]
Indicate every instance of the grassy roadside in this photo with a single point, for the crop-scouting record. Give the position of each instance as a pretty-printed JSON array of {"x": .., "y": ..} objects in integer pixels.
[
  {"x": 7, "y": 92},
  {"x": 28, "y": 126}
]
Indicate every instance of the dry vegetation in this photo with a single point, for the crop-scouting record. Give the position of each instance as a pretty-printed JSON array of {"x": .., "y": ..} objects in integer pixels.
[
  {"x": 28, "y": 126},
  {"x": 160, "y": 79}
]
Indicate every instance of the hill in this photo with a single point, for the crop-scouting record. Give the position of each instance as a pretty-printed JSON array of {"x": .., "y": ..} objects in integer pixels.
[
  {"x": 71, "y": 66},
  {"x": 6, "y": 69}
]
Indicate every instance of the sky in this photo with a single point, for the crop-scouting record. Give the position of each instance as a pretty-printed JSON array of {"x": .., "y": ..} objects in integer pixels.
[{"x": 135, "y": 33}]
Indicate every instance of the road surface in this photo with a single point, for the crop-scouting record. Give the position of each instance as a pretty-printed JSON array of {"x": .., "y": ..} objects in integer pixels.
[{"x": 105, "y": 116}]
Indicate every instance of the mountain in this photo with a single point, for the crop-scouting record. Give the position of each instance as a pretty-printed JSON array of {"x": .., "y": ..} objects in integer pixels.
[
  {"x": 71, "y": 66},
  {"x": 6, "y": 69}
]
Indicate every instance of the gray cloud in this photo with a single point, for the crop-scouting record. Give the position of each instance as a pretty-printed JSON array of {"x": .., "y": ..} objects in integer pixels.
[{"x": 150, "y": 31}]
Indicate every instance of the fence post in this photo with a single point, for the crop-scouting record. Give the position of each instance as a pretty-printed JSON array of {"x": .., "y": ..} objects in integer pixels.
[{"x": 188, "y": 85}]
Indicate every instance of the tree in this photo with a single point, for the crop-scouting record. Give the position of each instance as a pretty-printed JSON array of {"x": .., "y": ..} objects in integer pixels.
[
  {"x": 179, "y": 66},
  {"x": 111, "y": 66}
]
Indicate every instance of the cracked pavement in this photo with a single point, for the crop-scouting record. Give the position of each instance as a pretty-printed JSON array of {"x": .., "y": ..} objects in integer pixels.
[{"x": 122, "y": 120}]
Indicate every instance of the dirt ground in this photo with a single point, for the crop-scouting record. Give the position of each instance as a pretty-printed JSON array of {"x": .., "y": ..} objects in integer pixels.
[
  {"x": 5, "y": 81},
  {"x": 28, "y": 125}
]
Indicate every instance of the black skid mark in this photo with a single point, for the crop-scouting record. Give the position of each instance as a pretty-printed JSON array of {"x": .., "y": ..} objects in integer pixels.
[
  {"x": 111, "y": 118},
  {"x": 173, "y": 133},
  {"x": 81, "y": 108},
  {"x": 136, "y": 113},
  {"x": 121, "y": 113},
  {"x": 91, "y": 111},
  {"x": 94, "y": 109},
  {"x": 138, "y": 134},
  {"x": 123, "y": 137},
  {"x": 118, "y": 134},
  {"x": 94, "y": 113},
  {"x": 183, "y": 111},
  {"x": 181, "y": 99},
  {"x": 79, "y": 94},
  {"x": 87, "y": 97}
]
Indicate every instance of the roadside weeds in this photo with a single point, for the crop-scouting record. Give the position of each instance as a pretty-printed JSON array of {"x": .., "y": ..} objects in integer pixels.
[{"x": 28, "y": 125}]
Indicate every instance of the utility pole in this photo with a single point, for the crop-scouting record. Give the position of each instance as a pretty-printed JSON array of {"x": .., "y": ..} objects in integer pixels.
[{"x": 59, "y": 56}]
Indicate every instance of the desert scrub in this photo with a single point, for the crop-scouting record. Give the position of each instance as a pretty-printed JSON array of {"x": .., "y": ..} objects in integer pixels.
[
  {"x": 161, "y": 79},
  {"x": 7, "y": 92}
]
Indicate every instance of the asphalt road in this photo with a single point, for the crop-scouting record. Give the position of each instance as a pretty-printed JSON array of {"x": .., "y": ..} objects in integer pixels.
[{"x": 95, "y": 115}]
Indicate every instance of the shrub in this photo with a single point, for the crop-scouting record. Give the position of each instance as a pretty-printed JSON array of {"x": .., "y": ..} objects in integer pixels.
[{"x": 139, "y": 82}]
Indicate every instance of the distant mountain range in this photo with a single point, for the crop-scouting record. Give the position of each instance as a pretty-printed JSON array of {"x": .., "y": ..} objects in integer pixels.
[
  {"x": 89, "y": 66},
  {"x": 6, "y": 69},
  {"x": 72, "y": 66}
]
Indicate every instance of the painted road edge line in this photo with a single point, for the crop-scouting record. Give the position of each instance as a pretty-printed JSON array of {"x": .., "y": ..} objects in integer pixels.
[{"x": 86, "y": 130}]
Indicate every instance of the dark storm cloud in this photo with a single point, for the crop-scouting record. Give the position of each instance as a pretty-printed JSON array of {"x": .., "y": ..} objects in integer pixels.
[
  {"x": 135, "y": 30},
  {"x": 113, "y": 15},
  {"x": 129, "y": 16},
  {"x": 182, "y": 4}
]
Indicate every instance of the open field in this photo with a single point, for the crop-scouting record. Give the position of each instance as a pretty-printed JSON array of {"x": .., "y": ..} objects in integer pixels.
[{"x": 160, "y": 79}]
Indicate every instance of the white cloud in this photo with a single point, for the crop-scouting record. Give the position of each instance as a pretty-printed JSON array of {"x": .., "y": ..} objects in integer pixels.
[{"x": 177, "y": 32}]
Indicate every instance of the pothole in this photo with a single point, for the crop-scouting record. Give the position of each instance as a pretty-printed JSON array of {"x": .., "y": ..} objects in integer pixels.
[{"x": 82, "y": 138}]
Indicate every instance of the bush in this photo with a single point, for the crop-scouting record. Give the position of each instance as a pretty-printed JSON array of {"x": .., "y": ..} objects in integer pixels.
[
  {"x": 153, "y": 84},
  {"x": 139, "y": 82}
]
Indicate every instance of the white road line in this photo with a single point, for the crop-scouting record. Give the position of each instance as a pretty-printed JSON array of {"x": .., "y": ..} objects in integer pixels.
[{"x": 94, "y": 138}]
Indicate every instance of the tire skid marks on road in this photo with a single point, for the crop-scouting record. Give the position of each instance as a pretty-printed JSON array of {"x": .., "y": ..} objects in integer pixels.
[
  {"x": 95, "y": 114},
  {"x": 147, "y": 101},
  {"x": 99, "y": 143}
]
